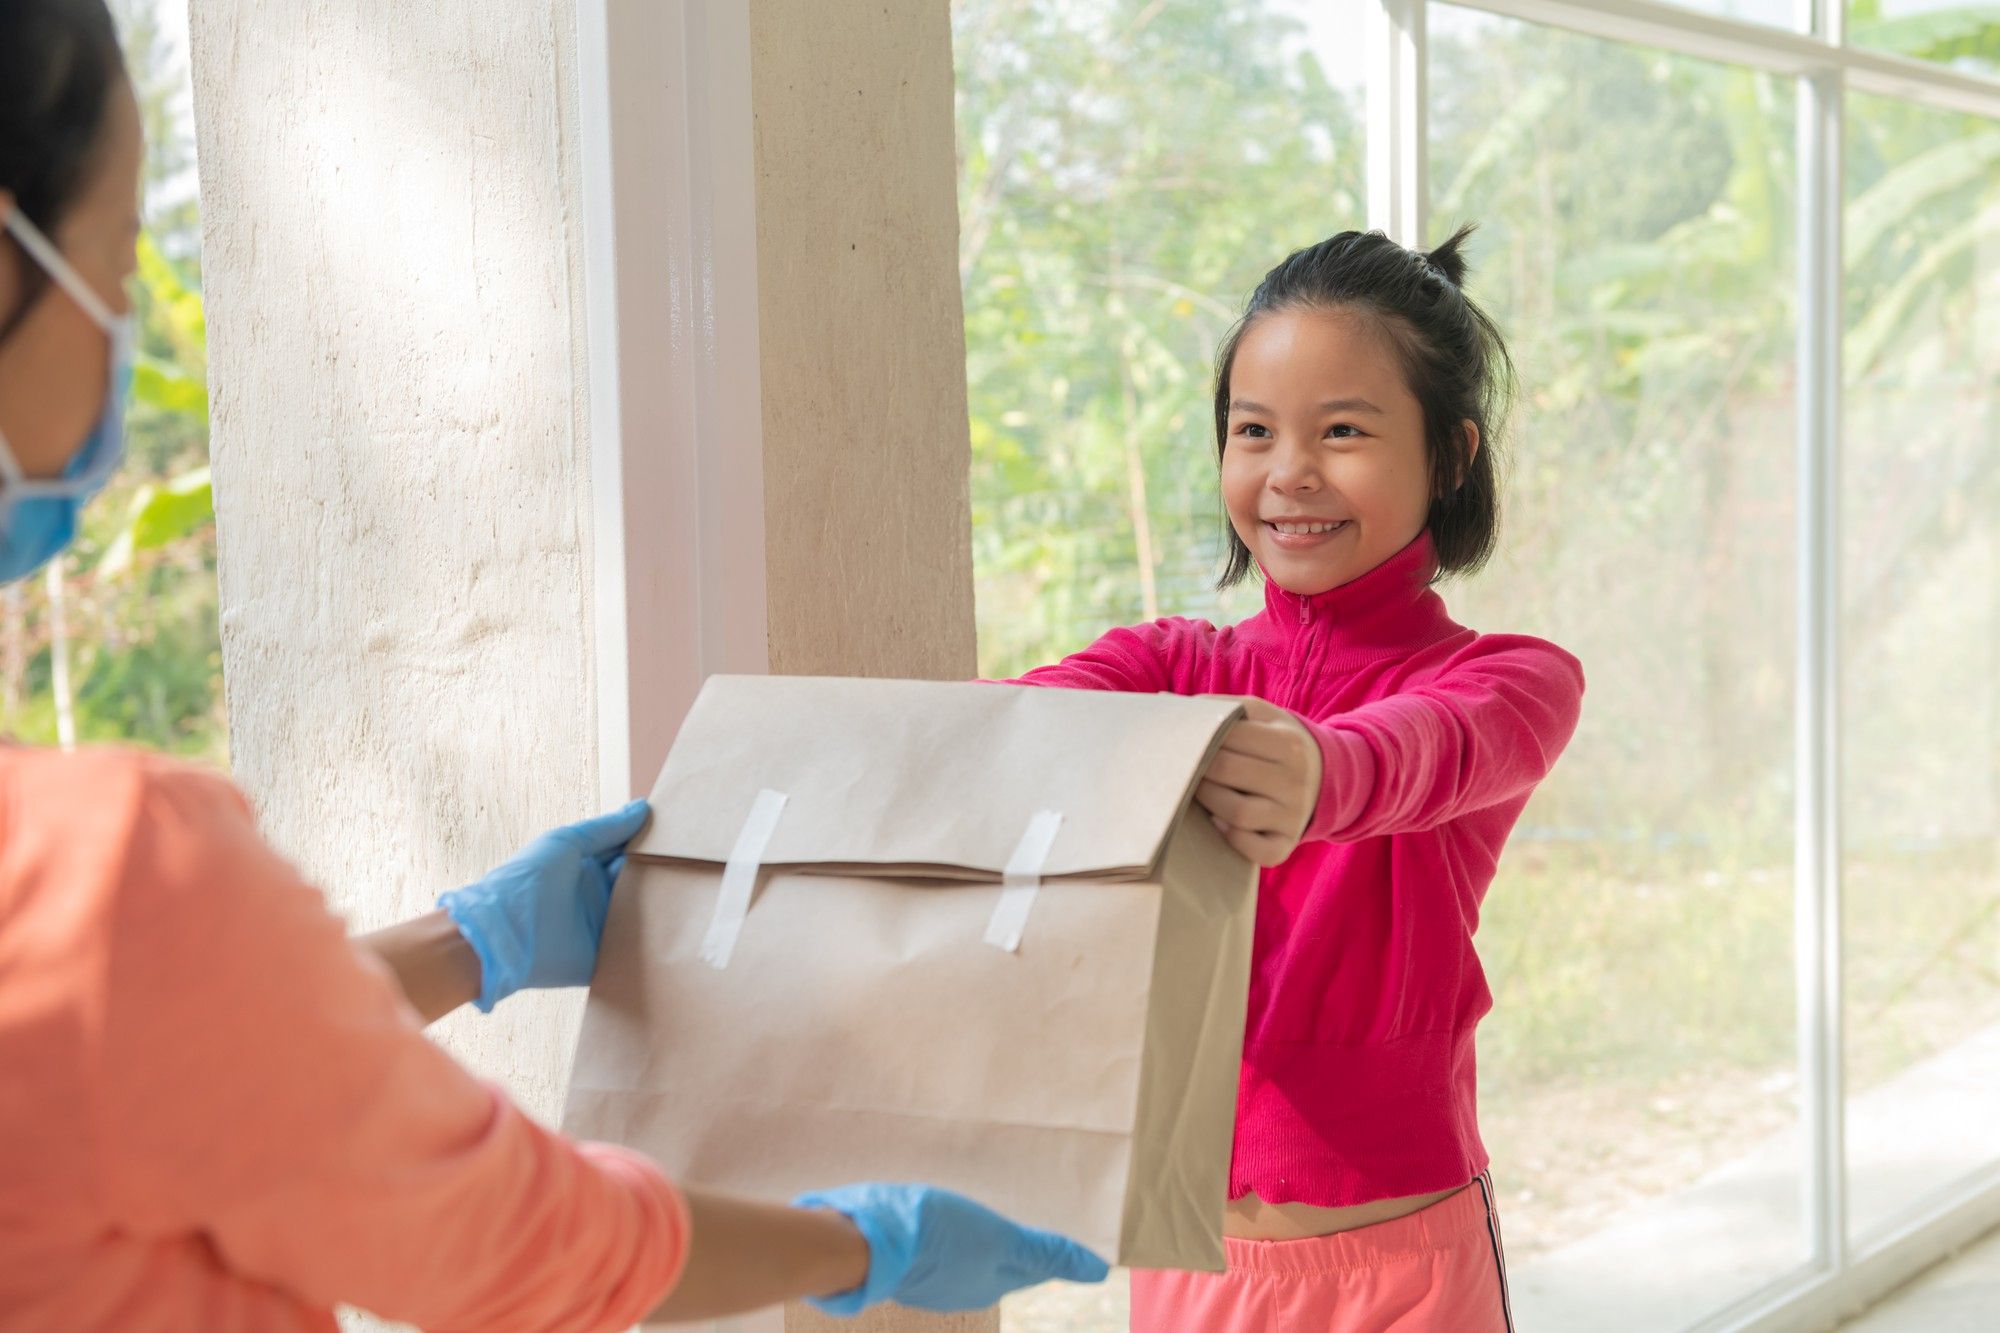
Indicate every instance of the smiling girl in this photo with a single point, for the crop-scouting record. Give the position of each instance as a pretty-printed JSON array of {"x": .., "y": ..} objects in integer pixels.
[{"x": 1387, "y": 753}]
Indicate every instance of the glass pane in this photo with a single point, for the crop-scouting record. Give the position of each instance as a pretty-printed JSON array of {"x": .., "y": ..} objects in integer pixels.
[
  {"x": 1949, "y": 32},
  {"x": 1638, "y": 1073},
  {"x": 1921, "y": 637},
  {"x": 1128, "y": 171}
]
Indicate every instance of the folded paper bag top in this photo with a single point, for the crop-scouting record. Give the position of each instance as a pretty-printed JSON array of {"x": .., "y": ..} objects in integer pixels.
[
  {"x": 925, "y": 778},
  {"x": 864, "y": 1028}
]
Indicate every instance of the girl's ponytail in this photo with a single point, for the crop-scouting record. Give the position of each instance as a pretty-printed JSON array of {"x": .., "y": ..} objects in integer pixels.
[{"x": 1449, "y": 259}]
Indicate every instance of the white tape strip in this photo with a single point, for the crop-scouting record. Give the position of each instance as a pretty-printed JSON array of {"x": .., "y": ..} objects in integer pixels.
[
  {"x": 1023, "y": 878},
  {"x": 739, "y": 878}
]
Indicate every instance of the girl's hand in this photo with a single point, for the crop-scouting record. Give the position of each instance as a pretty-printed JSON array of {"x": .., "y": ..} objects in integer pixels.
[{"x": 1263, "y": 785}]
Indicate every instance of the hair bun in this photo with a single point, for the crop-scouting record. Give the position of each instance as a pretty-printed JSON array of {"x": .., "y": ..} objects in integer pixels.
[{"x": 1449, "y": 258}]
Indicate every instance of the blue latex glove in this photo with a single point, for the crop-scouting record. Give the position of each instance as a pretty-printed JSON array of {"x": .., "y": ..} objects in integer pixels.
[
  {"x": 535, "y": 921},
  {"x": 931, "y": 1249}
]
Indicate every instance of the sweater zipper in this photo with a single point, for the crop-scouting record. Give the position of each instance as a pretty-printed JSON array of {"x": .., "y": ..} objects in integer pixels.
[{"x": 1293, "y": 686}]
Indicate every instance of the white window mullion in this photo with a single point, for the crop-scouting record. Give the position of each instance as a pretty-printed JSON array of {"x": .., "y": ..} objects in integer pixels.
[
  {"x": 670, "y": 295},
  {"x": 1818, "y": 849},
  {"x": 1397, "y": 120}
]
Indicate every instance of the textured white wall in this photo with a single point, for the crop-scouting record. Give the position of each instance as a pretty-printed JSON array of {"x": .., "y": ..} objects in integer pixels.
[{"x": 400, "y": 479}]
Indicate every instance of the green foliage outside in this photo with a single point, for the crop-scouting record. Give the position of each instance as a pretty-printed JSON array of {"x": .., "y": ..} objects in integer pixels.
[
  {"x": 1959, "y": 36},
  {"x": 1128, "y": 172},
  {"x": 138, "y": 596}
]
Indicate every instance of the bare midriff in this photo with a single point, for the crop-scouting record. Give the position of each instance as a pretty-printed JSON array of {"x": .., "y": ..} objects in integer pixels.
[{"x": 1250, "y": 1218}]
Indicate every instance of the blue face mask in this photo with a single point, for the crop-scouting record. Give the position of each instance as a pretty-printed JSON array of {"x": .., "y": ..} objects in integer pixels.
[{"x": 38, "y": 519}]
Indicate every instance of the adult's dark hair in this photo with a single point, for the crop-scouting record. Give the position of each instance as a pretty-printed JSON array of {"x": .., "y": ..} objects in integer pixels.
[
  {"x": 1452, "y": 354},
  {"x": 59, "y": 63}
]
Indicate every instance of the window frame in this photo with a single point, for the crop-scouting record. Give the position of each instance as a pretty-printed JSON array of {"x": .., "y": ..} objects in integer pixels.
[
  {"x": 666, "y": 173},
  {"x": 1844, "y": 1273}
]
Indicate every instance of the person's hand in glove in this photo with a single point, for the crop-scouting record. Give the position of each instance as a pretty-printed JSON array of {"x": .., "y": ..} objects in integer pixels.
[
  {"x": 535, "y": 920},
  {"x": 930, "y": 1249}
]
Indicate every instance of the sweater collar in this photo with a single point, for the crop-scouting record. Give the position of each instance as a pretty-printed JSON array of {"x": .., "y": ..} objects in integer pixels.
[{"x": 1391, "y": 606}]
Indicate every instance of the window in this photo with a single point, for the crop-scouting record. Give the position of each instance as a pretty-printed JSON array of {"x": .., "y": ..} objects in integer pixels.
[{"x": 1747, "y": 253}]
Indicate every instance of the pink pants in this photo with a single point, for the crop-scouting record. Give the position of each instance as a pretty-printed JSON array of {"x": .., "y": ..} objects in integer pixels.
[{"x": 1438, "y": 1269}]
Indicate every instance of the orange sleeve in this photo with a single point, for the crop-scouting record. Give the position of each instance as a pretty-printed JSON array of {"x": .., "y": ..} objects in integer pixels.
[{"x": 262, "y": 1082}]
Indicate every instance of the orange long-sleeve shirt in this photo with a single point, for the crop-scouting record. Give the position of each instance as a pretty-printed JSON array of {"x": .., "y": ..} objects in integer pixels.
[{"x": 215, "y": 1113}]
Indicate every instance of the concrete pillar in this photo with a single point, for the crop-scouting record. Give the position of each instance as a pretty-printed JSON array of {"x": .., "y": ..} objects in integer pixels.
[{"x": 866, "y": 456}]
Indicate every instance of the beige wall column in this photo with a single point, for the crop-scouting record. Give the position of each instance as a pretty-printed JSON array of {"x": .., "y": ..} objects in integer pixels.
[
  {"x": 866, "y": 457},
  {"x": 868, "y": 538}
]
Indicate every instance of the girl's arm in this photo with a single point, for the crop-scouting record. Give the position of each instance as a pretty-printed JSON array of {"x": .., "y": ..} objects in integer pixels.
[
  {"x": 1135, "y": 659},
  {"x": 1486, "y": 729}
]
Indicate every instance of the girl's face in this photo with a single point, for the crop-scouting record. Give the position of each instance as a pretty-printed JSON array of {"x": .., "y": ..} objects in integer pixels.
[
  {"x": 55, "y": 364},
  {"x": 1324, "y": 470}
]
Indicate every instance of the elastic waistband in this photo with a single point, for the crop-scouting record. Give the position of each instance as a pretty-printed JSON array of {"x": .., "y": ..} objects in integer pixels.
[{"x": 1446, "y": 1223}]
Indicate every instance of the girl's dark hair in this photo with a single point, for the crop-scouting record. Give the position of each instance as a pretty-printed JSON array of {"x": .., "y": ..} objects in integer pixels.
[
  {"x": 59, "y": 63},
  {"x": 1452, "y": 354}
]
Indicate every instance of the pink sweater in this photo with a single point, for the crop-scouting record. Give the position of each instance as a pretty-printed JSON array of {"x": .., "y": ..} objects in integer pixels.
[
  {"x": 218, "y": 1114},
  {"x": 1365, "y": 989}
]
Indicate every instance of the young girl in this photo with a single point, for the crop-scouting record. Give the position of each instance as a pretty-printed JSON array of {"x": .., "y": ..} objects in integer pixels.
[{"x": 1387, "y": 754}]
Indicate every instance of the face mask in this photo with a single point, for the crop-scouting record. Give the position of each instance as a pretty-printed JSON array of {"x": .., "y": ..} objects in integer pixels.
[{"x": 38, "y": 518}]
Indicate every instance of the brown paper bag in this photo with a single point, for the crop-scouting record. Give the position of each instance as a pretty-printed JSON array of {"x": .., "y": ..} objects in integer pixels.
[{"x": 863, "y": 1027}]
